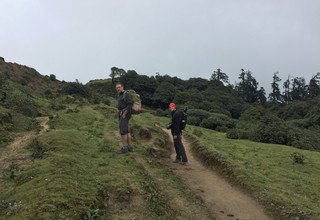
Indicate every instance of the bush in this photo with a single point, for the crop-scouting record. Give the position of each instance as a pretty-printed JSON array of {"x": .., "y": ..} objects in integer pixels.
[
  {"x": 161, "y": 113},
  {"x": 106, "y": 101},
  {"x": 232, "y": 134},
  {"x": 75, "y": 88},
  {"x": 56, "y": 105},
  {"x": 5, "y": 137},
  {"x": 22, "y": 103},
  {"x": 220, "y": 121},
  {"x": 304, "y": 138},
  {"x": 48, "y": 94},
  {"x": 39, "y": 149},
  {"x": 52, "y": 77},
  {"x": 192, "y": 120},
  {"x": 297, "y": 158},
  {"x": 195, "y": 116},
  {"x": 271, "y": 130}
]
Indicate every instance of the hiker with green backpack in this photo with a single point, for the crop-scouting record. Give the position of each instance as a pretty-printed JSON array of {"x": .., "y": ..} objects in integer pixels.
[{"x": 127, "y": 104}]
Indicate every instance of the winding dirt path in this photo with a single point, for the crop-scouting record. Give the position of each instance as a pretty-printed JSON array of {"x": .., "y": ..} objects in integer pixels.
[
  {"x": 224, "y": 200},
  {"x": 10, "y": 154}
]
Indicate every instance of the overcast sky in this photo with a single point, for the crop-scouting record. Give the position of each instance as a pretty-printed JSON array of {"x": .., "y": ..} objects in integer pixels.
[{"x": 83, "y": 39}]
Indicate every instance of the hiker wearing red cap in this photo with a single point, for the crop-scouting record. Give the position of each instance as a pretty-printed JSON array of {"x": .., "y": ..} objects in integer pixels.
[{"x": 176, "y": 132}]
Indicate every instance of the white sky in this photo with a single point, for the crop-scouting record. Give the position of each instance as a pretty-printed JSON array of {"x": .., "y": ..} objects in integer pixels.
[{"x": 83, "y": 39}]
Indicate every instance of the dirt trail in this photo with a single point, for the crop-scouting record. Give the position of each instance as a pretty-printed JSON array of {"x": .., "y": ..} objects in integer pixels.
[
  {"x": 181, "y": 207},
  {"x": 224, "y": 200},
  {"x": 10, "y": 154}
]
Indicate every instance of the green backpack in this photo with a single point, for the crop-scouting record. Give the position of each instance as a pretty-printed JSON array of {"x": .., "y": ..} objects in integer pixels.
[{"x": 136, "y": 107}]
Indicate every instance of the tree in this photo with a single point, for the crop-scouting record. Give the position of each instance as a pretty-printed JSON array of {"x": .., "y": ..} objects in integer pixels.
[
  {"x": 115, "y": 73},
  {"x": 275, "y": 95},
  {"x": 164, "y": 94},
  {"x": 75, "y": 88},
  {"x": 220, "y": 76},
  {"x": 286, "y": 94},
  {"x": 299, "y": 89},
  {"x": 248, "y": 87},
  {"x": 262, "y": 95},
  {"x": 314, "y": 86},
  {"x": 52, "y": 77},
  {"x": 197, "y": 83}
]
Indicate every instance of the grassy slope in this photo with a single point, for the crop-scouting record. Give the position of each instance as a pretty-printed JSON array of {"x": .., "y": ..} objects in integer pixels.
[
  {"x": 268, "y": 170},
  {"x": 80, "y": 175}
]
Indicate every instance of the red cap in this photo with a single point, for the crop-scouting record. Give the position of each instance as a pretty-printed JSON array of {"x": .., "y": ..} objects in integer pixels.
[{"x": 172, "y": 105}]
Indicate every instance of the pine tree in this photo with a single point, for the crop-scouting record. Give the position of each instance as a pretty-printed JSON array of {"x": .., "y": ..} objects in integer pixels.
[
  {"x": 248, "y": 87},
  {"x": 275, "y": 95},
  {"x": 299, "y": 89},
  {"x": 220, "y": 76},
  {"x": 286, "y": 94},
  {"x": 314, "y": 86}
]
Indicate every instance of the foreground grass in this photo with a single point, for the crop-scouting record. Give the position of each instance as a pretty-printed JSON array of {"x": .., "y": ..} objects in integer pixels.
[
  {"x": 76, "y": 173},
  {"x": 267, "y": 170}
]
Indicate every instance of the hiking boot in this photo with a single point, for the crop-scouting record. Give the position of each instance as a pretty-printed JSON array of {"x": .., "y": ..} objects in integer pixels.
[
  {"x": 184, "y": 163},
  {"x": 176, "y": 161},
  {"x": 123, "y": 150},
  {"x": 130, "y": 148}
]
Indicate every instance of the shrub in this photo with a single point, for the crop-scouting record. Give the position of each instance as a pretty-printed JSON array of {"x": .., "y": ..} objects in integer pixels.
[
  {"x": 192, "y": 120},
  {"x": 304, "y": 138},
  {"x": 52, "y": 77},
  {"x": 162, "y": 113},
  {"x": 232, "y": 134},
  {"x": 195, "y": 116},
  {"x": 48, "y": 94},
  {"x": 106, "y": 101},
  {"x": 218, "y": 121},
  {"x": 297, "y": 158},
  {"x": 39, "y": 149},
  {"x": 5, "y": 137},
  {"x": 56, "y": 105},
  {"x": 271, "y": 130},
  {"x": 75, "y": 88},
  {"x": 22, "y": 103}
]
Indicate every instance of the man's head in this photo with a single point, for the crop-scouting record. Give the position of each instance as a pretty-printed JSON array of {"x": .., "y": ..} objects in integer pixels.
[
  {"x": 119, "y": 87},
  {"x": 172, "y": 106}
]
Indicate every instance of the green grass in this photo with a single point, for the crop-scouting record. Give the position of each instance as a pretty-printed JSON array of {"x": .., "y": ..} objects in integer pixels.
[
  {"x": 77, "y": 174},
  {"x": 267, "y": 170}
]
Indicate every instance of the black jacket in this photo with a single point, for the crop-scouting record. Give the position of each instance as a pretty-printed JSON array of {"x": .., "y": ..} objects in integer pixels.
[{"x": 175, "y": 122}]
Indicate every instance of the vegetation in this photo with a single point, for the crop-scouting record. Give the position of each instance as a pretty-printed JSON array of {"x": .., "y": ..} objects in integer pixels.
[
  {"x": 77, "y": 156},
  {"x": 281, "y": 177}
]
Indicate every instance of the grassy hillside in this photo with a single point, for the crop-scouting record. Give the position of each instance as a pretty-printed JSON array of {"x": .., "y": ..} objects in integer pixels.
[
  {"x": 272, "y": 173},
  {"x": 73, "y": 171},
  {"x": 76, "y": 174},
  {"x": 29, "y": 78}
]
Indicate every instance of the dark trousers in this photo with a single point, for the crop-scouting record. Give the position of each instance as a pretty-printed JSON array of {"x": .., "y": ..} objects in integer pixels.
[{"x": 180, "y": 151}]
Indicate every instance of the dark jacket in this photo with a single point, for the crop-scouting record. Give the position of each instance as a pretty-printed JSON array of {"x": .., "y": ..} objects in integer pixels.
[
  {"x": 175, "y": 122},
  {"x": 125, "y": 102}
]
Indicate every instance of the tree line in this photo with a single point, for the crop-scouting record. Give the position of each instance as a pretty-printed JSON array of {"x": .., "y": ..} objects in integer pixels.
[{"x": 164, "y": 88}]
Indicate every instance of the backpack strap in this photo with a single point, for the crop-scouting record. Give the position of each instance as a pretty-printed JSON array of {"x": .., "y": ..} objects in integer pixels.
[{"x": 125, "y": 93}]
